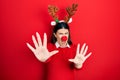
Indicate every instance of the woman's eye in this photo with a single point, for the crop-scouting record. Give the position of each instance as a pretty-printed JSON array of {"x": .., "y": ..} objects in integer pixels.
[
  {"x": 60, "y": 33},
  {"x": 66, "y": 33}
]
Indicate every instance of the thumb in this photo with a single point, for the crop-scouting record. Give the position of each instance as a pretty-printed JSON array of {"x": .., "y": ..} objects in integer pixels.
[
  {"x": 53, "y": 52},
  {"x": 72, "y": 60}
]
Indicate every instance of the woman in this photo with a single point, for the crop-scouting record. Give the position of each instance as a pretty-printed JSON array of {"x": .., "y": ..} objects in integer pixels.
[{"x": 61, "y": 56}]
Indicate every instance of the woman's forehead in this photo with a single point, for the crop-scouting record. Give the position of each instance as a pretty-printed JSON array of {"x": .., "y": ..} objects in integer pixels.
[{"x": 62, "y": 30}]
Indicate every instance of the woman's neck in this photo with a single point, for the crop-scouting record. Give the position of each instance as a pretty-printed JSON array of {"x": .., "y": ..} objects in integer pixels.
[{"x": 62, "y": 44}]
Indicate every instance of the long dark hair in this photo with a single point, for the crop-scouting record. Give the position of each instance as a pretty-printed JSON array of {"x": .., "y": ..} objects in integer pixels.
[{"x": 58, "y": 26}]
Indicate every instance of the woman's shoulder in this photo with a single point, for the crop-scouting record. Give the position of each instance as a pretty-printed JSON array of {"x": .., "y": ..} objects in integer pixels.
[
  {"x": 50, "y": 46},
  {"x": 73, "y": 45}
]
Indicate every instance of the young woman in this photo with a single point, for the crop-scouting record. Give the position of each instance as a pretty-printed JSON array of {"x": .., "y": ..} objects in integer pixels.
[{"x": 61, "y": 56}]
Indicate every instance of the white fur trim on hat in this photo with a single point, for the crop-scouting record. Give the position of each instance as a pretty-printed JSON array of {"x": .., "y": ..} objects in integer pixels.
[{"x": 53, "y": 23}]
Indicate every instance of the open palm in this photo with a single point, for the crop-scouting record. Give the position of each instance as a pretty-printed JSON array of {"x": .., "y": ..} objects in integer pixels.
[
  {"x": 40, "y": 51},
  {"x": 80, "y": 56}
]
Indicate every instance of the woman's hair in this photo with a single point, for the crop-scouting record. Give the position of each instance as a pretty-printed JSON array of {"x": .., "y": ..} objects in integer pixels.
[{"x": 58, "y": 26}]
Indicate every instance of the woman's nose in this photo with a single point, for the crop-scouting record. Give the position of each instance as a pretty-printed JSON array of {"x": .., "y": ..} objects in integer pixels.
[{"x": 64, "y": 38}]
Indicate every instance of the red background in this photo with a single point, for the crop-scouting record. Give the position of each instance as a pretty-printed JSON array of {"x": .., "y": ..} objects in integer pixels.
[{"x": 96, "y": 22}]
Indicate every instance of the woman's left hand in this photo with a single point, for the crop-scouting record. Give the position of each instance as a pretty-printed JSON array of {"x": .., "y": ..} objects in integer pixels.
[{"x": 80, "y": 56}]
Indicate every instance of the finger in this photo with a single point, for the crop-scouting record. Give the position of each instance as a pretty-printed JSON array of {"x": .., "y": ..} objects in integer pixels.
[
  {"x": 85, "y": 51},
  {"x": 30, "y": 47},
  {"x": 39, "y": 39},
  {"x": 53, "y": 52},
  {"x": 45, "y": 40},
  {"x": 78, "y": 49},
  {"x": 72, "y": 60},
  {"x": 88, "y": 55},
  {"x": 82, "y": 49},
  {"x": 34, "y": 41}
]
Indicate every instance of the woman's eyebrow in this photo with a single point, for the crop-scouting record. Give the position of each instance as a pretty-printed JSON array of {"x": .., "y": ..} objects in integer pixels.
[{"x": 60, "y": 33}]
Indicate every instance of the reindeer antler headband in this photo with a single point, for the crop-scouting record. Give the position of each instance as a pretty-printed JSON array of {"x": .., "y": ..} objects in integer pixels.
[{"x": 70, "y": 12}]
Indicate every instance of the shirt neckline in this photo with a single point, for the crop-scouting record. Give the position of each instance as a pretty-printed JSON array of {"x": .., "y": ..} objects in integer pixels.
[{"x": 58, "y": 45}]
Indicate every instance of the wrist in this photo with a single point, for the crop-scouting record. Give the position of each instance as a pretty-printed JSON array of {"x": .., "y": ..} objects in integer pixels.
[{"x": 78, "y": 66}]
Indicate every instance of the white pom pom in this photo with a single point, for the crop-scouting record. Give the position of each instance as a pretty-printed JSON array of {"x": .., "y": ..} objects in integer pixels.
[
  {"x": 61, "y": 21},
  {"x": 70, "y": 20},
  {"x": 53, "y": 23}
]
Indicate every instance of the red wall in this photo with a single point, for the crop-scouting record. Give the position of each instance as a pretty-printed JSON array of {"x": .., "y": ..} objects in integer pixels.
[{"x": 96, "y": 22}]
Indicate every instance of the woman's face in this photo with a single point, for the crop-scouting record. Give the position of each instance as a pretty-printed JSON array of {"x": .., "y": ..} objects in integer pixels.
[{"x": 59, "y": 34}]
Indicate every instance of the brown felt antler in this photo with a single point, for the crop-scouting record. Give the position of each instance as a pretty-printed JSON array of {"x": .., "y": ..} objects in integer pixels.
[
  {"x": 71, "y": 11},
  {"x": 52, "y": 11}
]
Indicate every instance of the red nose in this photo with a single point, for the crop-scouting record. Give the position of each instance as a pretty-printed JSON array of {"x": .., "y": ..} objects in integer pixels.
[{"x": 64, "y": 38}]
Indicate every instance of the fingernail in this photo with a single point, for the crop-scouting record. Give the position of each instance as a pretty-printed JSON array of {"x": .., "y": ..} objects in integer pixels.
[{"x": 37, "y": 33}]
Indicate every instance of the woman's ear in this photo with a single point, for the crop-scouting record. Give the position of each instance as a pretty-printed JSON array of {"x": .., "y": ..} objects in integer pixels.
[{"x": 54, "y": 34}]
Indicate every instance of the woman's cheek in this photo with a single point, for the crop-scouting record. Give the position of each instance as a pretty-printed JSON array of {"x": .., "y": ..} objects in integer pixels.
[{"x": 59, "y": 37}]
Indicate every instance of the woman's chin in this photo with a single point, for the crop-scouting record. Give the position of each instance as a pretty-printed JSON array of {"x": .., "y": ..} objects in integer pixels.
[{"x": 64, "y": 42}]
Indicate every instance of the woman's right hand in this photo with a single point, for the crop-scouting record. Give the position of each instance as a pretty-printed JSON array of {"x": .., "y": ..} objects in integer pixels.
[{"x": 40, "y": 51}]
